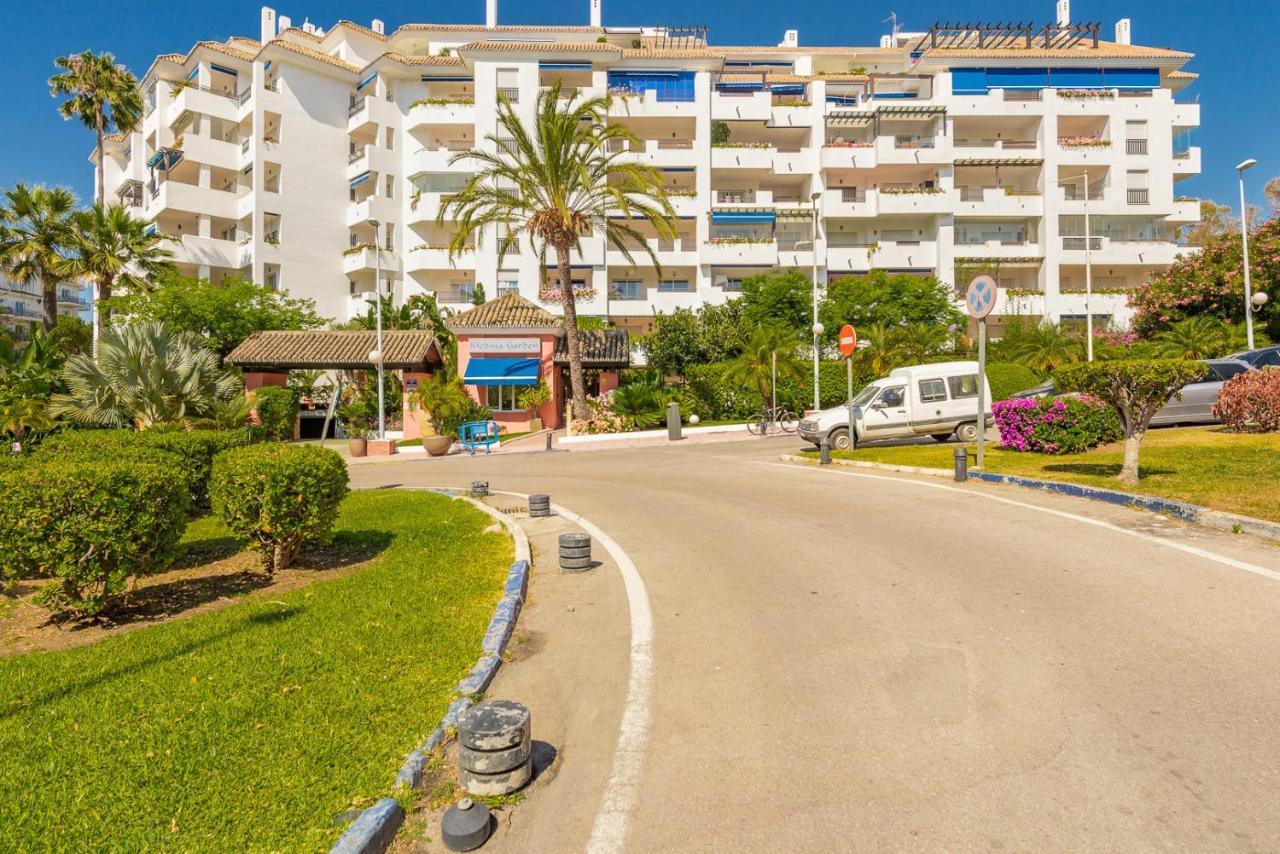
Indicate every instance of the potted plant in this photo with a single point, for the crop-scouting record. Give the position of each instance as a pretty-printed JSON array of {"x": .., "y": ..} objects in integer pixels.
[
  {"x": 531, "y": 398},
  {"x": 358, "y": 415},
  {"x": 445, "y": 404}
]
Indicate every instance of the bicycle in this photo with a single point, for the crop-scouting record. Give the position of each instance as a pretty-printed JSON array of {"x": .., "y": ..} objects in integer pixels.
[{"x": 772, "y": 419}]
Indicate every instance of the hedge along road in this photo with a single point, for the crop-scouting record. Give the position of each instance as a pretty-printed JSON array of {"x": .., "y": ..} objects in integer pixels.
[{"x": 847, "y": 663}]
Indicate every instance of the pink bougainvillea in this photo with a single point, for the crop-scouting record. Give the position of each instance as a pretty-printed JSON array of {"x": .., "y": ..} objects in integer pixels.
[{"x": 1055, "y": 425}]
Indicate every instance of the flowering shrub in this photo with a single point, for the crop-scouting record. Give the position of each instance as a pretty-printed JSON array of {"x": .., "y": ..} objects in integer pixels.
[
  {"x": 1083, "y": 142},
  {"x": 1055, "y": 425},
  {"x": 1250, "y": 402},
  {"x": 1082, "y": 94}
]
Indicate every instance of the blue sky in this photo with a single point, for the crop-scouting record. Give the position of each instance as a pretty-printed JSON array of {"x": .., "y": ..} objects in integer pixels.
[{"x": 1240, "y": 112}]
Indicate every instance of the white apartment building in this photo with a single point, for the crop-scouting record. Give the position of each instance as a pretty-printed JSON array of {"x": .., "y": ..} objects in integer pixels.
[
  {"x": 939, "y": 152},
  {"x": 22, "y": 305}
]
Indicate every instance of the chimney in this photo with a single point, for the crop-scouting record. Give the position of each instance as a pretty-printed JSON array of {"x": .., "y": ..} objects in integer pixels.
[
  {"x": 491, "y": 13},
  {"x": 1064, "y": 13},
  {"x": 379, "y": 27},
  {"x": 1124, "y": 31},
  {"x": 595, "y": 13},
  {"x": 268, "y": 24},
  {"x": 285, "y": 23},
  {"x": 886, "y": 41},
  {"x": 790, "y": 38},
  {"x": 308, "y": 27}
]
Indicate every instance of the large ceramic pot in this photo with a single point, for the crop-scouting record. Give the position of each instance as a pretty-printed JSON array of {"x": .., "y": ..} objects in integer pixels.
[
  {"x": 358, "y": 445},
  {"x": 437, "y": 446},
  {"x": 535, "y": 425}
]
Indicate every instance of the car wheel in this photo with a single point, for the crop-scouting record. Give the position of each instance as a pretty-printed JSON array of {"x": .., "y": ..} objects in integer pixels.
[
  {"x": 839, "y": 439},
  {"x": 967, "y": 432},
  {"x": 941, "y": 437}
]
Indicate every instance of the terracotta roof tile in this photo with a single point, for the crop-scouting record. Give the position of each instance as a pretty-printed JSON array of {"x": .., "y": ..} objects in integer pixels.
[
  {"x": 315, "y": 54},
  {"x": 422, "y": 60},
  {"x": 606, "y": 348},
  {"x": 336, "y": 349},
  {"x": 1079, "y": 50},
  {"x": 506, "y": 312},
  {"x": 298, "y": 31},
  {"x": 539, "y": 47},
  {"x": 503, "y": 28},
  {"x": 219, "y": 47},
  {"x": 671, "y": 53},
  {"x": 359, "y": 28}
]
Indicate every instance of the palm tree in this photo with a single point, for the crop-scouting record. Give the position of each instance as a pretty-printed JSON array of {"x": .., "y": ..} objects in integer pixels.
[
  {"x": 144, "y": 375},
  {"x": 112, "y": 248},
  {"x": 880, "y": 348},
  {"x": 1199, "y": 337},
  {"x": 555, "y": 183},
  {"x": 35, "y": 237},
  {"x": 1043, "y": 348},
  {"x": 103, "y": 95},
  {"x": 920, "y": 341},
  {"x": 756, "y": 364}
]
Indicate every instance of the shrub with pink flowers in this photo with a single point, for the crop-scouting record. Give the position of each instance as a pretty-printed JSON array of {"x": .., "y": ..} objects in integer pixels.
[
  {"x": 1250, "y": 402},
  {"x": 1061, "y": 425}
]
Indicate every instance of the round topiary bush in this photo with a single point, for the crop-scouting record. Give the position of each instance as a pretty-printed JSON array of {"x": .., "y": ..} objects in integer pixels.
[
  {"x": 90, "y": 522},
  {"x": 278, "y": 497},
  {"x": 1250, "y": 402}
]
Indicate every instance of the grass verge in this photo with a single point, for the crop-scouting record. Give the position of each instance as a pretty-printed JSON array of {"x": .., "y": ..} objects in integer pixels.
[
  {"x": 1234, "y": 472},
  {"x": 262, "y": 725}
]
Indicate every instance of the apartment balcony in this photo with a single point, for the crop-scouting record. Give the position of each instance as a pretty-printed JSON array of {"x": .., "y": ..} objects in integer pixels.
[
  {"x": 686, "y": 205},
  {"x": 731, "y": 252},
  {"x": 1186, "y": 115},
  {"x": 212, "y": 152},
  {"x": 1185, "y": 210},
  {"x": 426, "y": 258},
  {"x": 189, "y": 198},
  {"x": 670, "y": 253},
  {"x": 912, "y": 149},
  {"x": 1087, "y": 151},
  {"x": 441, "y": 112},
  {"x": 1023, "y": 249},
  {"x": 793, "y": 116},
  {"x": 906, "y": 255},
  {"x": 847, "y": 156},
  {"x": 797, "y": 254},
  {"x": 732, "y": 156},
  {"x": 987, "y": 147},
  {"x": 1020, "y": 303},
  {"x": 796, "y": 162},
  {"x": 848, "y": 202},
  {"x": 914, "y": 201},
  {"x": 1076, "y": 303},
  {"x": 209, "y": 102},
  {"x": 647, "y": 104},
  {"x": 998, "y": 201},
  {"x": 369, "y": 111},
  {"x": 373, "y": 158},
  {"x": 206, "y": 251},
  {"x": 748, "y": 106},
  {"x": 363, "y": 259},
  {"x": 1106, "y": 251},
  {"x": 660, "y": 152},
  {"x": 438, "y": 159},
  {"x": 1186, "y": 163},
  {"x": 375, "y": 207},
  {"x": 428, "y": 207}
]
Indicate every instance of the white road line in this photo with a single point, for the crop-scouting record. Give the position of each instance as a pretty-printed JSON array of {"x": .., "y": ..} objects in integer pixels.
[{"x": 1182, "y": 547}]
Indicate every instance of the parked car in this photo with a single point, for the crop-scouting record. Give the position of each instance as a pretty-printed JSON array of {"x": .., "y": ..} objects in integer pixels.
[
  {"x": 1045, "y": 389},
  {"x": 1198, "y": 398},
  {"x": 938, "y": 400},
  {"x": 1263, "y": 357}
]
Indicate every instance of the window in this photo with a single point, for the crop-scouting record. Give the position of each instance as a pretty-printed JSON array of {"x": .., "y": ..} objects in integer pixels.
[
  {"x": 627, "y": 289},
  {"x": 1138, "y": 187},
  {"x": 508, "y": 283},
  {"x": 502, "y": 398},
  {"x": 390, "y": 183},
  {"x": 932, "y": 390},
  {"x": 674, "y": 286},
  {"x": 390, "y": 242},
  {"x": 732, "y": 285},
  {"x": 892, "y": 396},
  {"x": 1226, "y": 370},
  {"x": 391, "y": 139},
  {"x": 961, "y": 387}
]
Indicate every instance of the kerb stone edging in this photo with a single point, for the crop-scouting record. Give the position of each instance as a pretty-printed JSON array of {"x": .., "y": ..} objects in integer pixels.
[
  {"x": 375, "y": 828},
  {"x": 1194, "y": 513}
]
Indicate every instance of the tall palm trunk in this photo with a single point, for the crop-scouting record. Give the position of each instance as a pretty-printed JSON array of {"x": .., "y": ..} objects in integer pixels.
[
  {"x": 577, "y": 383},
  {"x": 102, "y": 177},
  {"x": 49, "y": 288},
  {"x": 104, "y": 313}
]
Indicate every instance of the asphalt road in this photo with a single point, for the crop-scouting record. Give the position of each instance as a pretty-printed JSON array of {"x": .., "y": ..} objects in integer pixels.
[{"x": 848, "y": 660}]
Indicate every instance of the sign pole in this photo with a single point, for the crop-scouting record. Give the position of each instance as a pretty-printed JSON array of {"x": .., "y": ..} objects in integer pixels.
[
  {"x": 982, "y": 388},
  {"x": 848, "y": 341}
]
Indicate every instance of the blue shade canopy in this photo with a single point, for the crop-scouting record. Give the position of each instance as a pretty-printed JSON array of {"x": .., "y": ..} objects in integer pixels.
[
  {"x": 742, "y": 216},
  {"x": 481, "y": 372},
  {"x": 360, "y": 179},
  {"x": 365, "y": 82}
]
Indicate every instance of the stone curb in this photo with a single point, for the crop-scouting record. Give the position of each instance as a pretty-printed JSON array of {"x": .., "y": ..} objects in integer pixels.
[
  {"x": 375, "y": 828},
  {"x": 1194, "y": 513}
]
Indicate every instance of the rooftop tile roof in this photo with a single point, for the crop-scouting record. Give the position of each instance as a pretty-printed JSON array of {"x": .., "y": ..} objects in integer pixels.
[
  {"x": 509, "y": 311},
  {"x": 539, "y": 47},
  {"x": 402, "y": 349},
  {"x": 502, "y": 28},
  {"x": 315, "y": 54},
  {"x": 607, "y": 348},
  {"x": 423, "y": 60}
]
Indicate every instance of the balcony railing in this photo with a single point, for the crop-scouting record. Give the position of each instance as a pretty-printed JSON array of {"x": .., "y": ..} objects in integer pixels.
[
  {"x": 1076, "y": 244},
  {"x": 1138, "y": 197},
  {"x": 1135, "y": 146},
  {"x": 914, "y": 142},
  {"x": 852, "y": 195},
  {"x": 357, "y": 154},
  {"x": 972, "y": 194},
  {"x": 511, "y": 93},
  {"x": 357, "y": 106},
  {"x": 1022, "y": 94},
  {"x": 735, "y": 197}
]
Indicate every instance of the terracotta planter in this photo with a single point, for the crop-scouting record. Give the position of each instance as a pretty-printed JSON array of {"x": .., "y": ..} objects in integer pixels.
[
  {"x": 535, "y": 424},
  {"x": 358, "y": 446},
  {"x": 437, "y": 446}
]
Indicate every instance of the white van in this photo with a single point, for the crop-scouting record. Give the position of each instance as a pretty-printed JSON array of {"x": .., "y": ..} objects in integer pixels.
[{"x": 938, "y": 400}]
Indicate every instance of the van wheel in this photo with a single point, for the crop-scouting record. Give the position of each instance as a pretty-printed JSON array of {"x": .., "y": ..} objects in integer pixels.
[
  {"x": 839, "y": 439},
  {"x": 967, "y": 432},
  {"x": 941, "y": 437}
]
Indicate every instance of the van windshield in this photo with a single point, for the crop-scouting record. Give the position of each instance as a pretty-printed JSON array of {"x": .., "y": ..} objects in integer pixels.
[{"x": 865, "y": 396}]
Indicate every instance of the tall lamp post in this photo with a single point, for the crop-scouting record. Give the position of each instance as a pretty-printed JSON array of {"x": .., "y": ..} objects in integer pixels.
[
  {"x": 817, "y": 327},
  {"x": 1244, "y": 239},
  {"x": 376, "y": 355}
]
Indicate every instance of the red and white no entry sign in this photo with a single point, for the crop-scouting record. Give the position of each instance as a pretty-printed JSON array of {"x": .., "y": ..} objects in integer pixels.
[{"x": 848, "y": 340}]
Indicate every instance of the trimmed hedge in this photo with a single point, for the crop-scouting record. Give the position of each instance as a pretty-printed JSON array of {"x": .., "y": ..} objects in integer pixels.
[
  {"x": 192, "y": 450},
  {"x": 277, "y": 409},
  {"x": 91, "y": 522},
  {"x": 278, "y": 497},
  {"x": 1008, "y": 378},
  {"x": 710, "y": 395}
]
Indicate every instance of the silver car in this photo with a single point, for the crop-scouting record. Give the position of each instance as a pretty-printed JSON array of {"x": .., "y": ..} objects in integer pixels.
[{"x": 1198, "y": 398}]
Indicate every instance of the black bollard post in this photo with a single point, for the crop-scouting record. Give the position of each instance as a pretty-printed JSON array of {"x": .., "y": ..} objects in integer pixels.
[
  {"x": 824, "y": 452},
  {"x": 962, "y": 464},
  {"x": 548, "y": 440}
]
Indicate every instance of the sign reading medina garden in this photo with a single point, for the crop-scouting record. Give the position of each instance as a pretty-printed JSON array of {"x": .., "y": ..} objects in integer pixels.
[{"x": 503, "y": 346}]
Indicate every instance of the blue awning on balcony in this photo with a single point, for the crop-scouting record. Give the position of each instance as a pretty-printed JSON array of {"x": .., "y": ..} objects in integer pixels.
[
  {"x": 482, "y": 372},
  {"x": 787, "y": 88},
  {"x": 741, "y": 86},
  {"x": 742, "y": 216},
  {"x": 360, "y": 179},
  {"x": 365, "y": 82},
  {"x": 223, "y": 69}
]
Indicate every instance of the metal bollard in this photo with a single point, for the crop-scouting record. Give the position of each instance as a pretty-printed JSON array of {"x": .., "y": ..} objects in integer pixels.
[
  {"x": 673, "y": 422},
  {"x": 575, "y": 552},
  {"x": 548, "y": 440},
  {"x": 479, "y": 488},
  {"x": 539, "y": 505},
  {"x": 824, "y": 452},
  {"x": 961, "y": 457}
]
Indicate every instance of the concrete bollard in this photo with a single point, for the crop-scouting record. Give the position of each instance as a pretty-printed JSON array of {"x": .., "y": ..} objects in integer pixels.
[
  {"x": 494, "y": 748},
  {"x": 824, "y": 452},
  {"x": 575, "y": 552},
  {"x": 540, "y": 505},
  {"x": 479, "y": 488},
  {"x": 961, "y": 458},
  {"x": 465, "y": 826},
  {"x": 673, "y": 422}
]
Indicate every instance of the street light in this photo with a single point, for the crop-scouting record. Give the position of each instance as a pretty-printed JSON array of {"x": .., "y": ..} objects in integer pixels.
[
  {"x": 817, "y": 327},
  {"x": 376, "y": 355},
  {"x": 1244, "y": 239}
]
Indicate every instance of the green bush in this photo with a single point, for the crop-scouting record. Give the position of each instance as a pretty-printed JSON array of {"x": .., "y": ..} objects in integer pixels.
[
  {"x": 277, "y": 409},
  {"x": 278, "y": 497},
  {"x": 90, "y": 522},
  {"x": 1007, "y": 378},
  {"x": 710, "y": 395}
]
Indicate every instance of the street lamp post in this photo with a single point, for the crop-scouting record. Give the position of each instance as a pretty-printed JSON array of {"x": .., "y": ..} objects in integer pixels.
[
  {"x": 817, "y": 327},
  {"x": 377, "y": 314},
  {"x": 1088, "y": 276},
  {"x": 1244, "y": 239}
]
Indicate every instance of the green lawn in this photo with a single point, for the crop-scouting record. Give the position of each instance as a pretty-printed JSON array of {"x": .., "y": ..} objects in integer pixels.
[
  {"x": 258, "y": 726},
  {"x": 1239, "y": 473}
]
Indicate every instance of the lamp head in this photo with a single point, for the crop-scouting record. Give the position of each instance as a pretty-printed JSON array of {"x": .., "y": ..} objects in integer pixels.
[
  {"x": 375, "y": 356},
  {"x": 818, "y": 329},
  {"x": 1248, "y": 164},
  {"x": 1259, "y": 299}
]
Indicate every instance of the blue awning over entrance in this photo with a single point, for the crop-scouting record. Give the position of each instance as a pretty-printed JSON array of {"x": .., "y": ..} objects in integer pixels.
[{"x": 501, "y": 372}]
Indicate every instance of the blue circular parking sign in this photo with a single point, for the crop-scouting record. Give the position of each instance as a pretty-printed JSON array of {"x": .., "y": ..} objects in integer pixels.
[{"x": 980, "y": 298}]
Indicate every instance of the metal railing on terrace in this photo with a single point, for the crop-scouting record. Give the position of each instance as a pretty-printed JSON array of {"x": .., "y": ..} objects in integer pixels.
[
  {"x": 914, "y": 141},
  {"x": 1135, "y": 146},
  {"x": 1138, "y": 197}
]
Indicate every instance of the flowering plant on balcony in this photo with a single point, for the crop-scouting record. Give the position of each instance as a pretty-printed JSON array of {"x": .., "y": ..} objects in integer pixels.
[
  {"x": 357, "y": 249},
  {"x": 450, "y": 100},
  {"x": 910, "y": 191},
  {"x": 552, "y": 294},
  {"x": 1083, "y": 142},
  {"x": 682, "y": 194},
  {"x": 1017, "y": 191},
  {"x": 1055, "y": 425},
  {"x": 848, "y": 143},
  {"x": 1081, "y": 94},
  {"x": 735, "y": 241},
  {"x": 793, "y": 103}
]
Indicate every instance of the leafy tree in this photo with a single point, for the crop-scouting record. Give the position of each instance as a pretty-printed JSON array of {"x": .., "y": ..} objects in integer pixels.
[
  {"x": 879, "y": 348},
  {"x": 1137, "y": 389},
  {"x": 35, "y": 237},
  {"x": 1199, "y": 337},
  {"x": 554, "y": 183},
  {"x": 102, "y": 95},
  {"x": 1271, "y": 190},
  {"x": 779, "y": 298},
  {"x": 755, "y": 365},
  {"x": 919, "y": 342},
  {"x": 720, "y": 132},
  {"x": 1212, "y": 282},
  {"x": 889, "y": 298},
  {"x": 71, "y": 335},
  {"x": 712, "y": 333},
  {"x": 145, "y": 375},
  {"x": 1215, "y": 220},
  {"x": 419, "y": 311},
  {"x": 33, "y": 371},
  {"x": 477, "y": 294},
  {"x": 114, "y": 249},
  {"x": 225, "y": 313}
]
